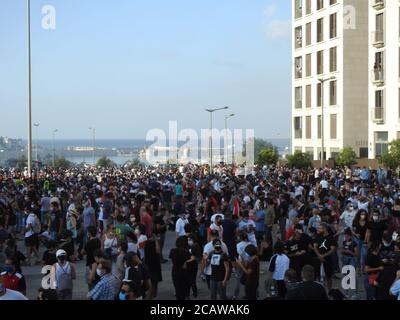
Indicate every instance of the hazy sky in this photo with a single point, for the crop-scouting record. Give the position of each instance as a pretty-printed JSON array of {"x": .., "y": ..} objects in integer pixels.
[{"x": 127, "y": 66}]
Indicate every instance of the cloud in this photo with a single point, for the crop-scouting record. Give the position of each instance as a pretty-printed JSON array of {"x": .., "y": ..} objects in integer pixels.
[{"x": 278, "y": 29}]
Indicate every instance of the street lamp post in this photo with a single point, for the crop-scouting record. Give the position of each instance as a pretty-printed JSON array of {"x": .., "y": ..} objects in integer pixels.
[
  {"x": 226, "y": 136},
  {"x": 322, "y": 81},
  {"x": 54, "y": 150},
  {"x": 36, "y": 146},
  {"x": 94, "y": 142},
  {"x": 211, "y": 111},
  {"x": 28, "y": 4}
]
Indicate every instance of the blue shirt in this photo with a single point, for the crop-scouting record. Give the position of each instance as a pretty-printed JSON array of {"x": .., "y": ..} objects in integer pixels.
[
  {"x": 364, "y": 175},
  {"x": 105, "y": 289},
  {"x": 260, "y": 223}
]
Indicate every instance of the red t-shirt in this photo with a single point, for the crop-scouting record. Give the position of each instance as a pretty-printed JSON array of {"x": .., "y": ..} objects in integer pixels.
[{"x": 147, "y": 221}]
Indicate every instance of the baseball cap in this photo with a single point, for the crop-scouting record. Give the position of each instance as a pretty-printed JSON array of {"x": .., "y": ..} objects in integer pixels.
[{"x": 60, "y": 253}]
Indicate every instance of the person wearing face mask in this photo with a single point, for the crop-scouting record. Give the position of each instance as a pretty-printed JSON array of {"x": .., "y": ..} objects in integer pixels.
[
  {"x": 140, "y": 233},
  {"x": 217, "y": 226},
  {"x": 219, "y": 262},
  {"x": 180, "y": 225},
  {"x": 129, "y": 291},
  {"x": 348, "y": 215},
  {"x": 108, "y": 287},
  {"x": 193, "y": 264},
  {"x": 160, "y": 229},
  {"x": 375, "y": 228},
  {"x": 146, "y": 219},
  {"x": 93, "y": 277},
  {"x": 373, "y": 268},
  {"x": 11, "y": 278},
  {"x": 8, "y": 294},
  {"x": 359, "y": 229},
  {"x": 109, "y": 243},
  {"x": 64, "y": 273}
]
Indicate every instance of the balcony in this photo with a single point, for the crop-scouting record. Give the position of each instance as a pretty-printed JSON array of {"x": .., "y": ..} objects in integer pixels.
[
  {"x": 378, "y": 4},
  {"x": 378, "y": 77},
  {"x": 378, "y": 115},
  {"x": 378, "y": 38}
]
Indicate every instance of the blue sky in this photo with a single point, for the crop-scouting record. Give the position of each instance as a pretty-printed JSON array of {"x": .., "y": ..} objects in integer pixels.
[{"x": 127, "y": 66}]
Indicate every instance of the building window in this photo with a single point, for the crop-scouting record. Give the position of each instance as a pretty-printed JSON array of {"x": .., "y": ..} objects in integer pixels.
[
  {"x": 298, "y": 8},
  {"x": 298, "y": 93},
  {"x": 333, "y": 93},
  {"x": 333, "y": 26},
  {"x": 381, "y": 143},
  {"x": 320, "y": 30},
  {"x": 298, "y": 127},
  {"x": 333, "y": 126},
  {"x": 308, "y": 127},
  {"x": 308, "y": 65},
  {"x": 332, "y": 2},
  {"x": 308, "y": 34},
  {"x": 333, "y": 59},
  {"x": 298, "y": 65},
  {"x": 308, "y": 96},
  {"x": 298, "y": 43},
  {"x": 308, "y": 6},
  {"x": 320, "y": 62},
  {"x": 320, "y": 4}
]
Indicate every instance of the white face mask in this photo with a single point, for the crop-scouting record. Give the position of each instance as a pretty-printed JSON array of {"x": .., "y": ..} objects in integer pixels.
[
  {"x": 137, "y": 232},
  {"x": 190, "y": 243},
  {"x": 375, "y": 218},
  {"x": 98, "y": 271}
]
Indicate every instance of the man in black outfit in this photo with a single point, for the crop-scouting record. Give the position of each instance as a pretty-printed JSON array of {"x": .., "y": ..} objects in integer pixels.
[{"x": 308, "y": 289}]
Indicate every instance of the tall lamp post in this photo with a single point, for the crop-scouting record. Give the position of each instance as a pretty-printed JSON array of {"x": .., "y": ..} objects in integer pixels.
[
  {"x": 36, "y": 146},
  {"x": 322, "y": 81},
  {"x": 226, "y": 136},
  {"x": 94, "y": 142},
  {"x": 54, "y": 150},
  {"x": 211, "y": 111},
  {"x": 28, "y": 4}
]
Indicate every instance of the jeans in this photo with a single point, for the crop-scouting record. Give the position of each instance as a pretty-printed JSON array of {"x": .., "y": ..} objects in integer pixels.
[
  {"x": 363, "y": 252},
  {"x": 268, "y": 234},
  {"x": 20, "y": 221},
  {"x": 369, "y": 290},
  {"x": 217, "y": 287},
  {"x": 162, "y": 241},
  {"x": 349, "y": 261},
  {"x": 282, "y": 228}
]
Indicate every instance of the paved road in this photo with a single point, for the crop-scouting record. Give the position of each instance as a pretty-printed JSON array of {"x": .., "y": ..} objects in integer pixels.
[{"x": 166, "y": 288}]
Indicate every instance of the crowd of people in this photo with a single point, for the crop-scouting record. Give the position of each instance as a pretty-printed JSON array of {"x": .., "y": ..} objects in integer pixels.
[{"x": 296, "y": 227}]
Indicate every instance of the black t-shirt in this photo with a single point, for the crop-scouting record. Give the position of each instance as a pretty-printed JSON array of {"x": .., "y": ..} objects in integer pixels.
[
  {"x": 373, "y": 261},
  {"x": 324, "y": 243},
  {"x": 49, "y": 258},
  {"x": 91, "y": 246},
  {"x": 308, "y": 290},
  {"x": 217, "y": 262},
  {"x": 361, "y": 230},
  {"x": 229, "y": 227},
  {"x": 178, "y": 257},
  {"x": 376, "y": 229},
  {"x": 159, "y": 220}
]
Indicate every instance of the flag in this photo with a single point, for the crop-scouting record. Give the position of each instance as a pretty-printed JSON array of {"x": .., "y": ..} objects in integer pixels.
[{"x": 236, "y": 207}]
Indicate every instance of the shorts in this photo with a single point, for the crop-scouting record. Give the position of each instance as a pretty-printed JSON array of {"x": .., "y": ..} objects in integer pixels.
[{"x": 32, "y": 241}]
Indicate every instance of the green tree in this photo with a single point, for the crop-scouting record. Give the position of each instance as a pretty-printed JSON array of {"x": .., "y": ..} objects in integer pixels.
[
  {"x": 62, "y": 163},
  {"x": 299, "y": 160},
  {"x": 346, "y": 157},
  {"x": 391, "y": 159},
  {"x": 260, "y": 144},
  {"x": 267, "y": 156},
  {"x": 105, "y": 162}
]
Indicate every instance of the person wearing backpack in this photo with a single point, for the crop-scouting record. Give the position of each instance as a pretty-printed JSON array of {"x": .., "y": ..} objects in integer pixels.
[
  {"x": 63, "y": 273},
  {"x": 32, "y": 230}
]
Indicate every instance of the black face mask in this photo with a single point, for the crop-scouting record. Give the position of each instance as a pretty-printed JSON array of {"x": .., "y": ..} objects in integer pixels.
[{"x": 62, "y": 258}]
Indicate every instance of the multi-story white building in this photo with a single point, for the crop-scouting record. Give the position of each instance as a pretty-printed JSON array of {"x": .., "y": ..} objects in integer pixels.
[
  {"x": 330, "y": 43},
  {"x": 384, "y": 75}
]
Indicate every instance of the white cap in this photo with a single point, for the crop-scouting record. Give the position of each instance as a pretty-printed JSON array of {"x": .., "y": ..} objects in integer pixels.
[{"x": 60, "y": 253}]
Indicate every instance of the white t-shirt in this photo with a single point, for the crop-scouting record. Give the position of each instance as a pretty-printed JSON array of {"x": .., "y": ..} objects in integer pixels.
[
  {"x": 30, "y": 220},
  {"x": 180, "y": 226},
  {"x": 241, "y": 246},
  {"x": 208, "y": 248},
  {"x": 12, "y": 295},
  {"x": 324, "y": 184},
  {"x": 281, "y": 266}
]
